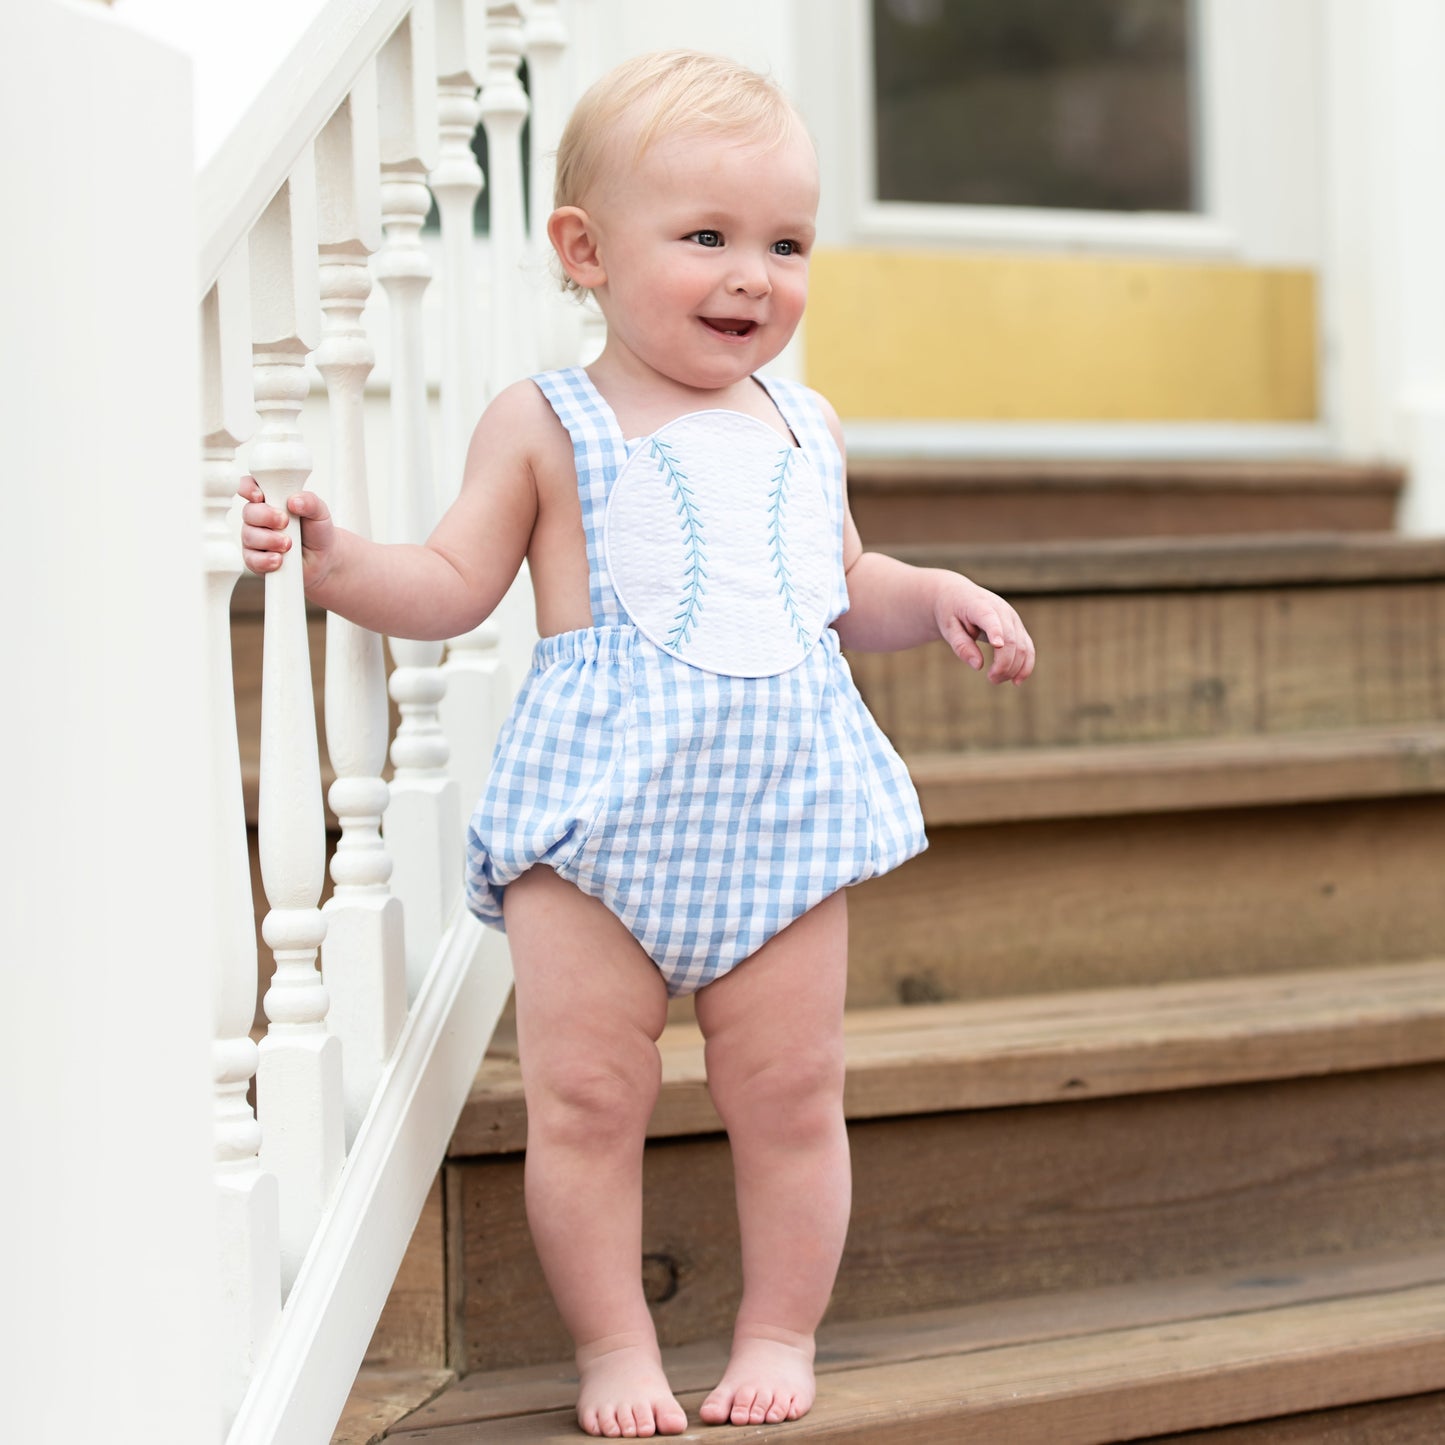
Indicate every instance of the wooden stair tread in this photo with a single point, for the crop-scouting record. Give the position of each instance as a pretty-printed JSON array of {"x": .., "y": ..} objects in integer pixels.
[
  {"x": 1097, "y": 1365},
  {"x": 1151, "y": 564},
  {"x": 945, "y": 474},
  {"x": 381, "y": 1396},
  {"x": 1105, "y": 779},
  {"x": 1048, "y": 1048}
]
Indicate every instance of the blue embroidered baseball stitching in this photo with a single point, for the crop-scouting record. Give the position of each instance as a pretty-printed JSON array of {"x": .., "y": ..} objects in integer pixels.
[
  {"x": 775, "y": 536},
  {"x": 694, "y": 571}
]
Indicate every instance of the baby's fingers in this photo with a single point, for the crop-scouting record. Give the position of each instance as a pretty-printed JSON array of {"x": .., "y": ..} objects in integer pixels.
[
  {"x": 959, "y": 639},
  {"x": 1016, "y": 661}
]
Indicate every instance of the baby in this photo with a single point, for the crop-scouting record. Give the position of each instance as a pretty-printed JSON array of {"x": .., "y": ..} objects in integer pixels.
[{"x": 689, "y": 779}]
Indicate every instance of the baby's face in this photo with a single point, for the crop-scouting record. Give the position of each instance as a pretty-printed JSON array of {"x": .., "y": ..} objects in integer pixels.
[{"x": 704, "y": 242}]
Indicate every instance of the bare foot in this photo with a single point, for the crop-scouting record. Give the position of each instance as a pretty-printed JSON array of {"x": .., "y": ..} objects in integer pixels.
[
  {"x": 624, "y": 1392},
  {"x": 769, "y": 1378}
]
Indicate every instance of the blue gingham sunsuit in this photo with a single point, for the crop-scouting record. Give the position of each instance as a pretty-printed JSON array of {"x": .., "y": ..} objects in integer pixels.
[{"x": 707, "y": 811}]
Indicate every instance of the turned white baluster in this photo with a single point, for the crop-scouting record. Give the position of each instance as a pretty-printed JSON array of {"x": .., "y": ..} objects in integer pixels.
[
  {"x": 423, "y": 824},
  {"x": 363, "y": 959},
  {"x": 585, "y": 62},
  {"x": 246, "y": 1203},
  {"x": 559, "y": 318},
  {"x": 511, "y": 349},
  {"x": 470, "y": 711},
  {"x": 456, "y": 182},
  {"x": 298, "y": 1082}
]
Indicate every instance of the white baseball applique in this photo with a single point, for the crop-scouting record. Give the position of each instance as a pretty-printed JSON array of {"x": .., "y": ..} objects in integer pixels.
[{"x": 719, "y": 544}]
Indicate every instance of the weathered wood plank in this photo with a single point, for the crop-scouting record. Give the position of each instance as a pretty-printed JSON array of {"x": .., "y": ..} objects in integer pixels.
[
  {"x": 1162, "y": 666},
  {"x": 1150, "y": 564},
  {"x": 989, "y": 1205},
  {"x": 915, "y": 500},
  {"x": 1115, "y": 778},
  {"x": 496, "y": 1394},
  {"x": 911, "y": 500},
  {"x": 1040, "y": 1049},
  {"x": 411, "y": 1333},
  {"x": 1013, "y": 908},
  {"x": 1110, "y": 1386},
  {"x": 1419, "y": 1420},
  {"x": 381, "y": 1397}
]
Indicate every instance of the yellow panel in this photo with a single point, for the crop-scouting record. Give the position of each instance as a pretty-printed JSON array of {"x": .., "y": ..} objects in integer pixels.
[{"x": 916, "y": 334}]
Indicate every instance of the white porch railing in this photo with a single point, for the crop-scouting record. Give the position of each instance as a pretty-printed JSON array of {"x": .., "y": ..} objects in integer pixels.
[{"x": 367, "y": 1058}]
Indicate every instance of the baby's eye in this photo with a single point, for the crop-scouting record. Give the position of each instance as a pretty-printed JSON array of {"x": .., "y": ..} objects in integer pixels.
[
  {"x": 706, "y": 238},
  {"x": 786, "y": 248}
]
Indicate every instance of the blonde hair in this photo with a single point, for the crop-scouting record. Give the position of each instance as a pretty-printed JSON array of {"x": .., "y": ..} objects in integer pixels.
[{"x": 668, "y": 93}]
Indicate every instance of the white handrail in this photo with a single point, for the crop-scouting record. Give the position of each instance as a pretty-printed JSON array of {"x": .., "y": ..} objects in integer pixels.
[{"x": 236, "y": 184}]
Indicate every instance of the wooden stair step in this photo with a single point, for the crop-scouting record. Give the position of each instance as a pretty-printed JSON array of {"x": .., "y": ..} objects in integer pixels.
[
  {"x": 1065, "y": 1369},
  {"x": 1109, "y": 779},
  {"x": 1199, "y": 640},
  {"x": 1047, "y": 1048},
  {"x": 1171, "y": 564},
  {"x": 1414, "y": 1420},
  {"x": 902, "y": 499},
  {"x": 1000, "y": 909},
  {"x": 982, "y": 1205}
]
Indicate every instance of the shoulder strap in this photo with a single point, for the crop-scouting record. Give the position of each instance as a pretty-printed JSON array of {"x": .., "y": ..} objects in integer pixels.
[
  {"x": 598, "y": 451},
  {"x": 805, "y": 419}
]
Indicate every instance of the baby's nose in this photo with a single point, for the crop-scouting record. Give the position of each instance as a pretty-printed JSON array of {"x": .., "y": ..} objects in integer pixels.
[{"x": 751, "y": 279}]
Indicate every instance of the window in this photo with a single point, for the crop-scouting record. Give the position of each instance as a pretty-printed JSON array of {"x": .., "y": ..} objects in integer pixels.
[{"x": 1062, "y": 104}]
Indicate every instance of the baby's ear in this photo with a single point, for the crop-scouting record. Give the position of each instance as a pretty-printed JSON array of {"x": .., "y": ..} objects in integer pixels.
[{"x": 574, "y": 239}]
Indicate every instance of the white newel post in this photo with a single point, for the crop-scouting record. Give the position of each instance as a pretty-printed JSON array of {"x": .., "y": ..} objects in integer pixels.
[
  {"x": 423, "y": 823},
  {"x": 363, "y": 959},
  {"x": 470, "y": 710},
  {"x": 248, "y": 1242},
  {"x": 107, "y": 1213},
  {"x": 298, "y": 1082}
]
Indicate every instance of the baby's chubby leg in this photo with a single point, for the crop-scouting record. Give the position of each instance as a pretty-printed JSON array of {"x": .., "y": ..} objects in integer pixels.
[
  {"x": 590, "y": 1007},
  {"x": 774, "y": 1029}
]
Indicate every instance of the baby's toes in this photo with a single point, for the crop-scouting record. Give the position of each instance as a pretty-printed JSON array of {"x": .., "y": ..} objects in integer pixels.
[
  {"x": 778, "y": 1410},
  {"x": 743, "y": 1405},
  {"x": 762, "y": 1403},
  {"x": 717, "y": 1408},
  {"x": 669, "y": 1417}
]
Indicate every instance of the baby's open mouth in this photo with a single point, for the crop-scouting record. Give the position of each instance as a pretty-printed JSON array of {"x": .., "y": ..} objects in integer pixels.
[{"x": 727, "y": 326}]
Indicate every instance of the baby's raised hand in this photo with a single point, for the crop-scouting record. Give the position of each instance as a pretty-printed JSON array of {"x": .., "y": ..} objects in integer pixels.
[
  {"x": 265, "y": 540},
  {"x": 966, "y": 611}
]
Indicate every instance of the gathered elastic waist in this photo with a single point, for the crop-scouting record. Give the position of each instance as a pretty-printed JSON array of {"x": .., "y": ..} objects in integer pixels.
[{"x": 586, "y": 644}]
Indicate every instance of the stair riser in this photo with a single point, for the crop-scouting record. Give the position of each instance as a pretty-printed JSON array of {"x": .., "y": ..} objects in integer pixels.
[
  {"x": 1148, "y": 667},
  {"x": 1416, "y": 1421},
  {"x": 1018, "y": 908},
  {"x": 966, "y": 1208}
]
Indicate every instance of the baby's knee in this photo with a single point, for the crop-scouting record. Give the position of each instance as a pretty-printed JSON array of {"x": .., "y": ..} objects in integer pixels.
[
  {"x": 590, "y": 1103},
  {"x": 794, "y": 1095}
]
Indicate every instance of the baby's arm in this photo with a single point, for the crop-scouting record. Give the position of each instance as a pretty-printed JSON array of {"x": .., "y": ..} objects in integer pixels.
[
  {"x": 893, "y": 605},
  {"x": 453, "y": 581}
]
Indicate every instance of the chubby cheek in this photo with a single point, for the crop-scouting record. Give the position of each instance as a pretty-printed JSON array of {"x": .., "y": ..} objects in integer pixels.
[{"x": 792, "y": 296}]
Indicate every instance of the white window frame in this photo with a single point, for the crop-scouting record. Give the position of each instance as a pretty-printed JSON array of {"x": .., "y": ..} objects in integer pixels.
[{"x": 1255, "y": 97}]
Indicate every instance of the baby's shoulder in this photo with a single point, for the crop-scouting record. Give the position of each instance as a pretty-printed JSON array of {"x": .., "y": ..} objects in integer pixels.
[
  {"x": 519, "y": 445},
  {"x": 520, "y": 428}
]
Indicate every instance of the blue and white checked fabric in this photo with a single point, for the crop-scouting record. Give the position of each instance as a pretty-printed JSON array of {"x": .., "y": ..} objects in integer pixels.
[{"x": 706, "y": 811}]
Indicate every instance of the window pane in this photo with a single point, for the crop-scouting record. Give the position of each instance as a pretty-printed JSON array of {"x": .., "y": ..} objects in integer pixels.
[{"x": 1068, "y": 103}]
